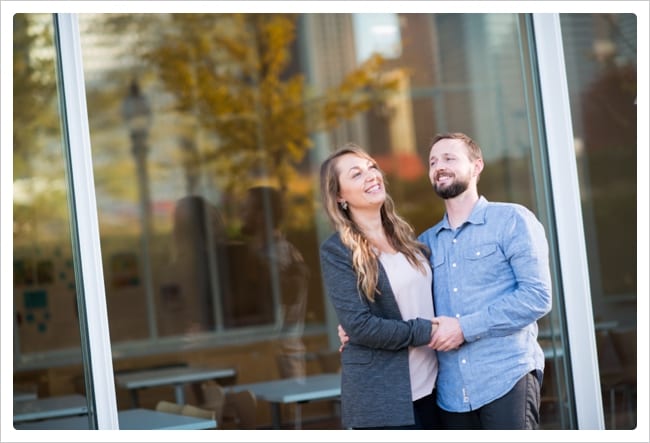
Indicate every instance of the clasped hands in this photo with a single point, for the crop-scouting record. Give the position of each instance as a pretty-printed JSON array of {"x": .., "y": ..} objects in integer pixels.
[{"x": 446, "y": 334}]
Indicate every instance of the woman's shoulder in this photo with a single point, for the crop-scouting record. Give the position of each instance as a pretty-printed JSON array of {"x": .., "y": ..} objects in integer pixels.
[
  {"x": 333, "y": 245},
  {"x": 333, "y": 240}
]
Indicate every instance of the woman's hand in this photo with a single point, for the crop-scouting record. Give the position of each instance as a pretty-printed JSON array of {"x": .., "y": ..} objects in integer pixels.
[{"x": 343, "y": 337}]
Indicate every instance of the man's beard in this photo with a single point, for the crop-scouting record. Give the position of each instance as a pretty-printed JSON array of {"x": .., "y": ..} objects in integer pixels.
[{"x": 451, "y": 191}]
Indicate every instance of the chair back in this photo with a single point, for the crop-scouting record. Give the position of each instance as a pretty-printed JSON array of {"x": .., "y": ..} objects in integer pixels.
[
  {"x": 214, "y": 397},
  {"x": 169, "y": 407},
  {"x": 194, "y": 411}
]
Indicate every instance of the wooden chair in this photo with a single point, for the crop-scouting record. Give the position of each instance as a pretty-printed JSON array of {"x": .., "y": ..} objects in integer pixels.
[
  {"x": 240, "y": 410},
  {"x": 189, "y": 410},
  {"x": 194, "y": 411},
  {"x": 169, "y": 407},
  {"x": 214, "y": 397}
]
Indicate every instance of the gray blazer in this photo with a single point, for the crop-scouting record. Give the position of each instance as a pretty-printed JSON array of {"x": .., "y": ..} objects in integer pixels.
[{"x": 375, "y": 380}]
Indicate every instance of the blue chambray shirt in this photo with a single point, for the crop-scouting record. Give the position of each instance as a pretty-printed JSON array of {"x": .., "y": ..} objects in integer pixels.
[{"x": 492, "y": 273}]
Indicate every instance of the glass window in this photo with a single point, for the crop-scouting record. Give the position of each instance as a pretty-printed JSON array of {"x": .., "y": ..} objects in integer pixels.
[
  {"x": 43, "y": 273},
  {"x": 601, "y": 60}
]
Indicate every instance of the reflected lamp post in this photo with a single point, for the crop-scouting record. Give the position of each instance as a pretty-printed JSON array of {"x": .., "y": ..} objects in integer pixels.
[{"x": 137, "y": 115}]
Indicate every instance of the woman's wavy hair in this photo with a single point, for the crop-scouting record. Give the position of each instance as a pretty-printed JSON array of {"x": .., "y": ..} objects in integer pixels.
[{"x": 364, "y": 257}]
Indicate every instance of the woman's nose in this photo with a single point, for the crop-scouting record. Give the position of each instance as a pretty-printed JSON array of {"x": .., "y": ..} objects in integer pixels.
[{"x": 372, "y": 174}]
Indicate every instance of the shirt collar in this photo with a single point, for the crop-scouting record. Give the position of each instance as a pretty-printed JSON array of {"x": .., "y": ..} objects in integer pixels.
[{"x": 477, "y": 216}]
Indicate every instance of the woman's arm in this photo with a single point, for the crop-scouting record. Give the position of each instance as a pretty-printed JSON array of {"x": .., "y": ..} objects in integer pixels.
[{"x": 353, "y": 308}]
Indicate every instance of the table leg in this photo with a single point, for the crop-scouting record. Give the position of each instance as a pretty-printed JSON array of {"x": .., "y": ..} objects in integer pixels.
[
  {"x": 180, "y": 393},
  {"x": 276, "y": 418},
  {"x": 134, "y": 397}
]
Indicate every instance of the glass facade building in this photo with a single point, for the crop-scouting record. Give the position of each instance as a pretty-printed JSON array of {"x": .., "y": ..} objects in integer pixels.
[{"x": 166, "y": 207}]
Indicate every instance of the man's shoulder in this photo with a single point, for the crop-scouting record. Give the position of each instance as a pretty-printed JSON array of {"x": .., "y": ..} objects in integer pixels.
[
  {"x": 508, "y": 208},
  {"x": 509, "y": 214},
  {"x": 431, "y": 231}
]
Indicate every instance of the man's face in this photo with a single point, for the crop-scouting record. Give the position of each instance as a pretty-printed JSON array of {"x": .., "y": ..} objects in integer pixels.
[{"x": 451, "y": 171}]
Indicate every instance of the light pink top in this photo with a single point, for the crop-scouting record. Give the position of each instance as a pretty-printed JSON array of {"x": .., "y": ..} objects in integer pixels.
[{"x": 412, "y": 290}]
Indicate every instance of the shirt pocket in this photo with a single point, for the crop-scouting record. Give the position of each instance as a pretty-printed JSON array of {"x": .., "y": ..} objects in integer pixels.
[
  {"x": 485, "y": 263},
  {"x": 481, "y": 252},
  {"x": 438, "y": 260}
]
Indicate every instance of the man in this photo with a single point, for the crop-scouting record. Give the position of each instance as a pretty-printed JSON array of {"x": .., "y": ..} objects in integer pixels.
[{"x": 491, "y": 282}]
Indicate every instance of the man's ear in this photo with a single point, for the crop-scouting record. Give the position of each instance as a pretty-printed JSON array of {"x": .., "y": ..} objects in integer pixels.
[{"x": 478, "y": 166}]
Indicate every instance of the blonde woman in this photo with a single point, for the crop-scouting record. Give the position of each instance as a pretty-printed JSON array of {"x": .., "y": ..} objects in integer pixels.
[{"x": 378, "y": 278}]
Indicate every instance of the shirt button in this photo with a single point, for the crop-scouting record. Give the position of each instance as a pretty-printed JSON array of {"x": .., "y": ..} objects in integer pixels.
[
  {"x": 453, "y": 241},
  {"x": 478, "y": 253},
  {"x": 453, "y": 265},
  {"x": 457, "y": 315},
  {"x": 463, "y": 361},
  {"x": 455, "y": 289}
]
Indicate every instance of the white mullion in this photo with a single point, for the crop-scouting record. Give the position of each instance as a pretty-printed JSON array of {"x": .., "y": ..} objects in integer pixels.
[
  {"x": 568, "y": 220},
  {"x": 85, "y": 210}
]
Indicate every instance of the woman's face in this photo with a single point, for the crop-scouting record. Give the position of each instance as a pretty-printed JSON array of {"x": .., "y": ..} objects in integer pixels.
[{"x": 361, "y": 183}]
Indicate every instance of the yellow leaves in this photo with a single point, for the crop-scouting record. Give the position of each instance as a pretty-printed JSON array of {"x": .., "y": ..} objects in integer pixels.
[
  {"x": 275, "y": 38},
  {"x": 229, "y": 71}
]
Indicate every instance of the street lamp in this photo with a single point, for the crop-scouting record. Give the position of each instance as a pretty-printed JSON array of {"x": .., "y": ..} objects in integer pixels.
[{"x": 137, "y": 114}]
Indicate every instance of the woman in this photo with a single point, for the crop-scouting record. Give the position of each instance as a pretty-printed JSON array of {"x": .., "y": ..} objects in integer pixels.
[{"x": 378, "y": 279}]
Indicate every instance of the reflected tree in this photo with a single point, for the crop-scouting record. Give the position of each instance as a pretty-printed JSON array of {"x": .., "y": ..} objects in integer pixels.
[
  {"x": 39, "y": 193},
  {"x": 230, "y": 72}
]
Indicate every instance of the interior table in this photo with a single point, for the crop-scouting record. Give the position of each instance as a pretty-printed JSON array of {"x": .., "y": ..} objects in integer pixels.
[
  {"x": 50, "y": 407},
  {"x": 293, "y": 390},
  {"x": 176, "y": 376}
]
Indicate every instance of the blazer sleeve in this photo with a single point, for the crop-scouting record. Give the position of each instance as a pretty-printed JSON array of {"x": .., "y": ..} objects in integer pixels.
[{"x": 372, "y": 327}]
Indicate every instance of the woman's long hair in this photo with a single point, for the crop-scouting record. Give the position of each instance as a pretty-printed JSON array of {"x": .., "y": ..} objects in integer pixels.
[{"x": 364, "y": 257}]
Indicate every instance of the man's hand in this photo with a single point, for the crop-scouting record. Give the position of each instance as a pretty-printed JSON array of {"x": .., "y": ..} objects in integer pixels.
[
  {"x": 343, "y": 337},
  {"x": 448, "y": 336}
]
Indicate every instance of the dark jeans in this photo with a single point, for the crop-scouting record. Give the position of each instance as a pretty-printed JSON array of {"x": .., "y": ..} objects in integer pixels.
[
  {"x": 426, "y": 412},
  {"x": 518, "y": 409}
]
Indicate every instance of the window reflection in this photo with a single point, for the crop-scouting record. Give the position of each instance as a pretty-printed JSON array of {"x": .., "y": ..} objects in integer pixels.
[
  {"x": 600, "y": 52},
  {"x": 210, "y": 225},
  {"x": 44, "y": 281},
  {"x": 377, "y": 33}
]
